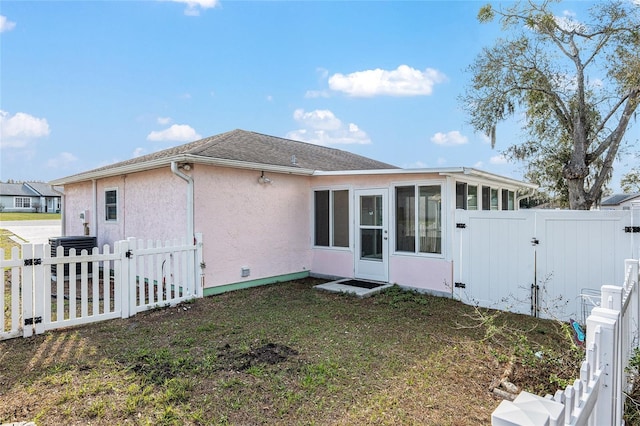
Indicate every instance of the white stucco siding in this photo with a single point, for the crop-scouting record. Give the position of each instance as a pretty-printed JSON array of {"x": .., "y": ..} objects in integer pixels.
[{"x": 247, "y": 224}]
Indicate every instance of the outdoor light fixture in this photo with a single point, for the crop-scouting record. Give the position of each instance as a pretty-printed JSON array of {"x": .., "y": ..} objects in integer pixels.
[{"x": 264, "y": 179}]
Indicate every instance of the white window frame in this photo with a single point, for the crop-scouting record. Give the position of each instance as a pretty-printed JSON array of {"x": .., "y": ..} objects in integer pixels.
[
  {"x": 331, "y": 191},
  {"x": 22, "y": 203},
  {"x": 443, "y": 218},
  {"x": 106, "y": 206}
]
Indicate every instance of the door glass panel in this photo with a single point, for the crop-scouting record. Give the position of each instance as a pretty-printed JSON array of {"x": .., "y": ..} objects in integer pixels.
[
  {"x": 371, "y": 244},
  {"x": 371, "y": 210}
]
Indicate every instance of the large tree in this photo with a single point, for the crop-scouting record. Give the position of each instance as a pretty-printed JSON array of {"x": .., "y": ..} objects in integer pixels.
[{"x": 576, "y": 85}]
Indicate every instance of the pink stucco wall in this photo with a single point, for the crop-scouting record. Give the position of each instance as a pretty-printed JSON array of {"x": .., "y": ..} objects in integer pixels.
[
  {"x": 421, "y": 272},
  {"x": 247, "y": 224},
  {"x": 267, "y": 228},
  {"x": 424, "y": 272},
  {"x": 77, "y": 197},
  {"x": 333, "y": 263}
]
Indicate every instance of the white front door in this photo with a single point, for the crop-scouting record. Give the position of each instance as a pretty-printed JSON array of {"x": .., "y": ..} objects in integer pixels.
[{"x": 372, "y": 236}]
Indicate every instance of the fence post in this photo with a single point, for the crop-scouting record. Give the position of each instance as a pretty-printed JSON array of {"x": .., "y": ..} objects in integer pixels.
[
  {"x": 122, "y": 276},
  {"x": 198, "y": 284},
  {"x": 611, "y": 297},
  {"x": 608, "y": 408},
  {"x": 130, "y": 281}
]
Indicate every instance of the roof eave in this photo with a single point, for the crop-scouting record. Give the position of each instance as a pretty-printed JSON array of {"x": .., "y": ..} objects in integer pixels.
[
  {"x": 183, "y": 158},
  {"x": 499, "y": 178},
  {"x": 448, "y": 171}
]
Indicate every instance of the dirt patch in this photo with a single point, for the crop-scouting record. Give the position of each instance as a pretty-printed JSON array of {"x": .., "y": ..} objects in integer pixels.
[{"x": 268, "y": 354}]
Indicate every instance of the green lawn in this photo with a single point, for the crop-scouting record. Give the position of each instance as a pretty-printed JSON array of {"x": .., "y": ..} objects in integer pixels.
[
  {"x": 284, "y": 354},
  {"x": 8, "y": 216}
]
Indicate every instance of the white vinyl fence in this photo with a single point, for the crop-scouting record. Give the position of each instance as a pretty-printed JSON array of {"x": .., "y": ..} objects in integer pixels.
[
  {"x": 547, "y": 263},
  {"x": 597, "y": 397},
  {"x": 42, "y": 291}
]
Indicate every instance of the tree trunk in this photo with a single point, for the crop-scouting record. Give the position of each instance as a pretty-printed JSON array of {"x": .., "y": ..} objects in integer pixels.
[{"x": 575, "y": 176}]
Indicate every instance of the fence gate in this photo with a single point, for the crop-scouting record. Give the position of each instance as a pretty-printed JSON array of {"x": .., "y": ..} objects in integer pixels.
[
  {"x": 540, "y": 262},
  {"x": 45, "y": 290}
]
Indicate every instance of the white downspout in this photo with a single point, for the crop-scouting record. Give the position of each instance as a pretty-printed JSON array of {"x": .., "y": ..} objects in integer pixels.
[
  {"x": 189, "y": 180},
  {"x": 94, "y": 202}
]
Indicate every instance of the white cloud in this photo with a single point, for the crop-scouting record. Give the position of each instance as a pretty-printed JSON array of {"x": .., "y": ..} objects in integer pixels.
[
  {"x": 177, "y": 132},
  {"x": 320, "y": 119},
  {"x": 478, "y": 165},
  {"x": 19, "y": 129},
  {"x": 403, "y": 81},
  {"x": 498, "y": 159},
  {"x": 451, "y": 138},
  {"x": 269, "y": 98},
  {"x": 139, "y": 152},
  {"x": 63, "y": 161},
  {"x": 5, "y": 24},
  {"x": 568, "y": 22},
  {"x": 164, "y": 120},
  {"x": 322, "y": 127},
  {"x": 442, "y": 161},
  {"x": 194, "y": 6}
]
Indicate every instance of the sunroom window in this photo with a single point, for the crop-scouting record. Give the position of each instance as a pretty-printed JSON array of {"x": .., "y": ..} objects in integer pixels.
[
  {"x": 461, "y": 195},
  {"x": 508, "y": 200},
  {"x": 418, "y": 219},
  {"x": 331, "y": 218},
  {"x": 466, "y": 196}
]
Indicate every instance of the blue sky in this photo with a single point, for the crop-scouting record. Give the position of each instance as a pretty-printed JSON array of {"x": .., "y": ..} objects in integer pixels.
[{"x": 88, "y": 83}]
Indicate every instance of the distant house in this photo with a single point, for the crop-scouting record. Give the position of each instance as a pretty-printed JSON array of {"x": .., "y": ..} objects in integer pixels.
[
  {"x": 272, "y": 209},
  {"x": 30, "y": 197},
  {"x": 619, "y": 201}
]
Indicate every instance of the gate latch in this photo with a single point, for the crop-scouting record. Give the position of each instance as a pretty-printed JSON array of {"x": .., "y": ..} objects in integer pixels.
[
  {"x": 535, "y": 241},
  {"x": 32, "y": 262},
  {"x": 632, "y": 229},
  {"x": 460, "y": 285},
  {"x": 128, "y": 254}
]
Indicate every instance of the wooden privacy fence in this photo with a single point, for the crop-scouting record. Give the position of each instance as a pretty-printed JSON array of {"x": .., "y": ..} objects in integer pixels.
[
  {"x": 44, "y": 290},
  {"x": 597, "y": 397}
]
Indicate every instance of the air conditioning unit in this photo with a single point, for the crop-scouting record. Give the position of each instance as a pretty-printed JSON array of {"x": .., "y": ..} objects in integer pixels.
[{"x": 79, "y": 243}]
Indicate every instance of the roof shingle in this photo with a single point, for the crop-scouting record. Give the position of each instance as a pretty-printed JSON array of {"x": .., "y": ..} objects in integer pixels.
[{"x": 251, "y": 147}]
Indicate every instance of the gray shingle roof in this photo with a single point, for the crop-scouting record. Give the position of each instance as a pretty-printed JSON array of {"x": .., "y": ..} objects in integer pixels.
[
  {"x": 617, "y": 199},
  {"x": 44, "y": 189},
  {"x": 252, "y": 147},
  {"x": 16, "y": 189},
  {"x": 28, "y": 189}
]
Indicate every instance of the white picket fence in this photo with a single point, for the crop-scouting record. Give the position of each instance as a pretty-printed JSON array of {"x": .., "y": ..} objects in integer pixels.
[
  {"x": 43, "y": 292},
  {"x": 597, "y": 397}
]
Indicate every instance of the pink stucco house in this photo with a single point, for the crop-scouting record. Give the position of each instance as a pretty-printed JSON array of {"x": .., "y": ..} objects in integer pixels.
[{"x": 272, "y": 209}]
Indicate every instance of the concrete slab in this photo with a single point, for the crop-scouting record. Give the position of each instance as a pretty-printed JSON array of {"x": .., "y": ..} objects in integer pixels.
[
  {"x": 33, "y": 231},
  {"x": 340, "y": 286}
]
